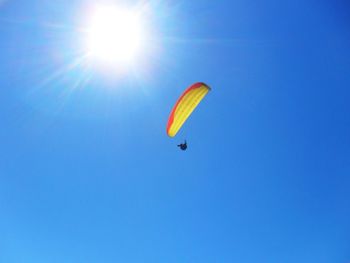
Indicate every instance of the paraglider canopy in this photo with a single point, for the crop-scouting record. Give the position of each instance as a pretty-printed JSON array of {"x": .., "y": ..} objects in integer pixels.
[{"x": 185, "y": 105}]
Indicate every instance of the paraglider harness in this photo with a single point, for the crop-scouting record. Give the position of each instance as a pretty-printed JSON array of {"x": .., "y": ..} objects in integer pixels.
[{"x": 183, "y": 146}]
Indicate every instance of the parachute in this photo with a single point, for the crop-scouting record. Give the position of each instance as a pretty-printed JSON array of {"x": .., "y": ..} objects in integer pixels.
[{"x": 185, "y": 105}]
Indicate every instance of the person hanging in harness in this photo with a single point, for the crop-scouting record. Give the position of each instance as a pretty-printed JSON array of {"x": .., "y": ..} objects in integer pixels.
[{"x": 183, "y": 146}]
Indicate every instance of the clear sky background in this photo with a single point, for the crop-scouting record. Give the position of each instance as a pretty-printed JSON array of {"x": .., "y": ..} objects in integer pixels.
[{"x": 88, "y": 174}]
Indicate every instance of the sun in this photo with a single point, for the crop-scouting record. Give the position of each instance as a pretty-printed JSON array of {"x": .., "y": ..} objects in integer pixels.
[{"x": 114, "y": 34}]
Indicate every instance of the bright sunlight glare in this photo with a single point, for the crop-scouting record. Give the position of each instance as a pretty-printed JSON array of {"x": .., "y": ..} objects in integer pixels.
[{"x": 114, "y": 35}]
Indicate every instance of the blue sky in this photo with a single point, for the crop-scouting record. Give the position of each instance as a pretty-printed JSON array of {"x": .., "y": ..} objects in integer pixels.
[{"x": 87, "y": 173}]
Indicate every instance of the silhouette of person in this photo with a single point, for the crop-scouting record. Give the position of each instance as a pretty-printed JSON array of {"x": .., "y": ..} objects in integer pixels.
[{"x": 183, "y": 146}]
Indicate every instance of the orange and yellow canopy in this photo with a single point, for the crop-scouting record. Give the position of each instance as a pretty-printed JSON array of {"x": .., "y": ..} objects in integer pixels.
[{"x": 185, "y": 105}]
